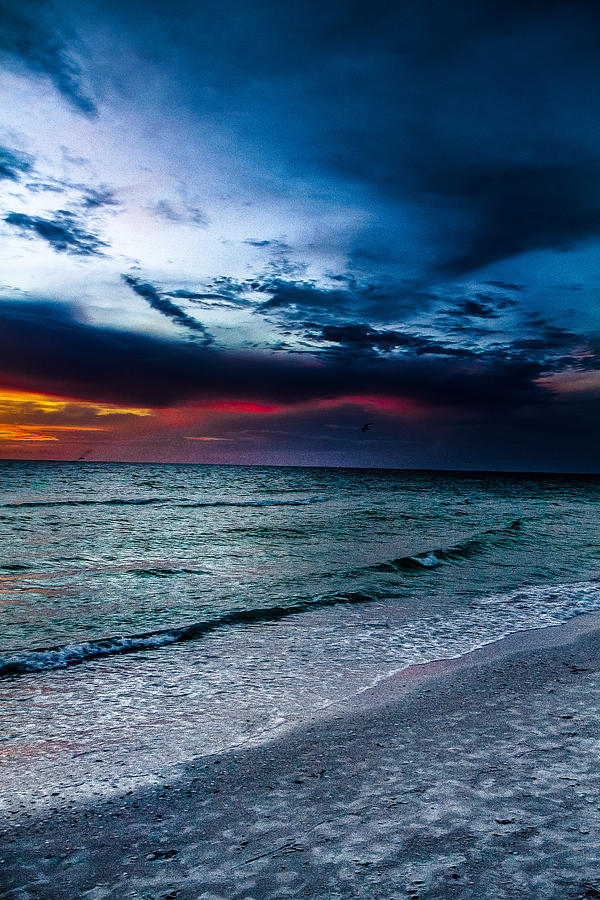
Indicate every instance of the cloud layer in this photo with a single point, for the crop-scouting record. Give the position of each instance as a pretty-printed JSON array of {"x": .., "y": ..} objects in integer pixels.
[{"x": 42, "y": 344}]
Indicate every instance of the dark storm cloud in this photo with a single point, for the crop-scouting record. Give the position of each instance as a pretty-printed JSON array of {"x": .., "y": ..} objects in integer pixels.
[
  {"x": 361, "y": 338},
  {"x": 13, "y": 164},
  {"x": 31, "y": 36},
  {"x": 42, "y": 346},
  {"x": 63, "y": 232},
  {"x": 500, "y": 158},
  {"x": 477, "y": 120},
  {"x": 476, "y": 123},
  {"x": 525, "y": 208},
  {"x": 165, "y": 306},
  {"x": 290, "y": 294},
  {"x": 292, "y": 298}
]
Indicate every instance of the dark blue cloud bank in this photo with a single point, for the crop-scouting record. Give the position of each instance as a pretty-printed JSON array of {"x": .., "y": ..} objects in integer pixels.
[
  {"x": 478, "y": 120},
  {"x": 391, "y": 200}
]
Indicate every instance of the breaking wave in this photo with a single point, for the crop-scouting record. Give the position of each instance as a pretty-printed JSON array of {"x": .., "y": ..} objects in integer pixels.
[
  {"x": 467, "y": 549},
  {"x": 45, "y": 658}
]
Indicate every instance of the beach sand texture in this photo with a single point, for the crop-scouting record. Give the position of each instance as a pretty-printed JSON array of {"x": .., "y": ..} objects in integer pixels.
[{"x": 472, "y": 778}]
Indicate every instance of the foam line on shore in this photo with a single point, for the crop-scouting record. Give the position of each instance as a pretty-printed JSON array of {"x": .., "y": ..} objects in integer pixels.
[{"x": 405, "y": 679}]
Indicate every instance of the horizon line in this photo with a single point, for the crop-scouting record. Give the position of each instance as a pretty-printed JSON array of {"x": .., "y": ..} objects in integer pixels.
[{"x": 414, "y": 469}]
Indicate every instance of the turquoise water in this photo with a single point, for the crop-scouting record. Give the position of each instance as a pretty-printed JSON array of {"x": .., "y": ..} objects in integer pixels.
[{"x": 201, "y": 606}]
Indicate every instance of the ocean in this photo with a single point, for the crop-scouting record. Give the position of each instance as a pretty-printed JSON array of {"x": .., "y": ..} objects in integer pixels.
[{"x": 150, "y": 614}]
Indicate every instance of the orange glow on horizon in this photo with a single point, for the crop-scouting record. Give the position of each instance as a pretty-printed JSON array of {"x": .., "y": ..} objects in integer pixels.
[
  {"x": 38, "y": 425},
  {"x": 18, "y": 434},
  {"x": 34, "y": 417},
  {"x": 10, "y": 399}
]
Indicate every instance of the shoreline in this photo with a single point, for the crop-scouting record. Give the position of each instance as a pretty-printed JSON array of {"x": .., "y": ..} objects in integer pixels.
[
  {"x": 544, "y": 637},
  {"x": 466, "y": 777}
]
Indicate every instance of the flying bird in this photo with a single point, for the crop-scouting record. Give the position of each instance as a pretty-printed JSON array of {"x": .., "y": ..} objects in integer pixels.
[{"x": 366, "y": 427}]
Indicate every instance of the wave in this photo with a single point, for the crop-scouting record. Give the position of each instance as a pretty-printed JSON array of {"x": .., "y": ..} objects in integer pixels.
[
  {"x": 203, "y": 503},
  {"x": 470, "y": 547},
  {"x": 144, "y": 501},
  {"x": 23, "y": 662},
  {"x": 116, "y": 501},
  {"x": 158, "y": 572}
]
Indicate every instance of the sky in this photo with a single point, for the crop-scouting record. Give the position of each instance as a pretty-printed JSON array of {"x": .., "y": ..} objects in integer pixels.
[{"x": 238, "y": 232}]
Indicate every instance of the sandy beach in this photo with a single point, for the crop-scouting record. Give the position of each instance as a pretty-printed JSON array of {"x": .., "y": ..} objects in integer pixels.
[{"x": 470, "y": 778}]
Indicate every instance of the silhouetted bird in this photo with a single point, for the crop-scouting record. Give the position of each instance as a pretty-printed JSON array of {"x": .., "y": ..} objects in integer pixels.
[{"x": 366, "y": 427}]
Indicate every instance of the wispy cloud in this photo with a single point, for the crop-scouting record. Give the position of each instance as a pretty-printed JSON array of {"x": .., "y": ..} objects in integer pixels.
[
  {"x": 166, "y": 307},
  {"x": 95, "y": 198},
  {"x": 180, "y": 212},
  {"x": 62, "y": 232}
]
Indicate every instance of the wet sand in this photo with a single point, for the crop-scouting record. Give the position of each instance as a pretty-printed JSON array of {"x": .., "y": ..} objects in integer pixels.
[{"x": 470, "y": 778}]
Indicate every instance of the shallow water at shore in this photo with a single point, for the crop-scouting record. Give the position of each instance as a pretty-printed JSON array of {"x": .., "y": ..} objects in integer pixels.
[{"x": 151, "y": 614}]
